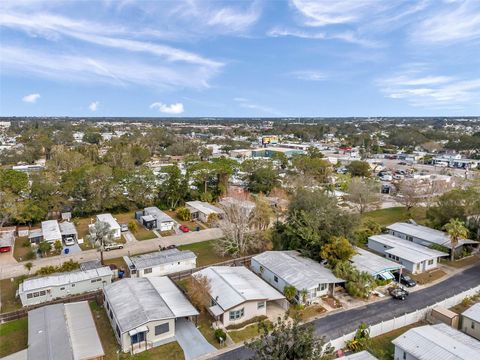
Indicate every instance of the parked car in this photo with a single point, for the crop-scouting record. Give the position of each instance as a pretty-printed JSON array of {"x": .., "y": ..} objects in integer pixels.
[
  {"x": 402, "y": 163},
  {"x": 405, "y": 279},
  {"x": 398, "y": 293},
  {"x": 69, "y": 241},
  {"x": 123, "y": 227},
  {"x": 386, "y": 177},
  {"x": 113, "y": 246},
  {"x": 184, "y": 228}
]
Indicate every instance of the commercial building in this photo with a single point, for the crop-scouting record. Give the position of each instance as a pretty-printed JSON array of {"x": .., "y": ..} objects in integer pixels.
[
  {"x": 289, "y": 268},
  {"x": 161, "y": 263}
]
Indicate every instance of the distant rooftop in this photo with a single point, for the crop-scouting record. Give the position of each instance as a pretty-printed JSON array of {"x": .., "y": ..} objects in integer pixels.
[
  {"x": 161, "y": 257},
  {"x": 204, "y": 207}
]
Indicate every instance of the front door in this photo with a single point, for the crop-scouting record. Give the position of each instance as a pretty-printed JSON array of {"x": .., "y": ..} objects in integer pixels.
[{"x": 138, "y": 337}]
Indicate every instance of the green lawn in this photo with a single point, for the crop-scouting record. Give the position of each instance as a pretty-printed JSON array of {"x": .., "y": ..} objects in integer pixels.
[
  {"x": 16, "y": 331},
  {"x": 245, "y": 334},
  {"x": 205, "y": 252},
  {"x": 7, "y": 295},
  {"x": 391, "y": 215},
  {"x": 19, "y": 251}
]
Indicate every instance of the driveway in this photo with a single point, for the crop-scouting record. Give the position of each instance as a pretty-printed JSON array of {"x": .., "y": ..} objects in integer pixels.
[
  {"x": 191, "y": 340},
  {"x": 129, "y": 237},
  {"x": 344, "y": 322},
  {"x": 72, "y": 249}
]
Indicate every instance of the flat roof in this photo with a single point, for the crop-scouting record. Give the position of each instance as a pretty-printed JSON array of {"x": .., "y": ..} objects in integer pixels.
[
  {"x": 108, "y": 218},
  {"x": 427, "y": 234},
  {"x": 405, "y": 249},
  {"x": 473, "y": 312},
  {"x": 51, "y": 230},
  {"x": 161, "y": 257},
  {"x": 438, "y": 342},
  {"x": 158, "y": 214},
  {"x": 7, "y": 238},
  {"x": 362, "y": 355},
  {"x": 296, "y": 270},
  {"x": 137, "y": 301},
  {"x": 371, "y": 263},
  {"x": 233, "y": 285},
  {"x": 204, "y": 207},
  {"x": 67, "y": 228},
  {"x": 63, "y": 278}
]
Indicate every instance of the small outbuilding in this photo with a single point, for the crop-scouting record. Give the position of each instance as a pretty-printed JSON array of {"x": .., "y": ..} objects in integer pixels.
[{"x": 471, "y": 321}]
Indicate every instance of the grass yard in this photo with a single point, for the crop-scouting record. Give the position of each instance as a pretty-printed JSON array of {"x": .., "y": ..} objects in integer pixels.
[
  {"x": 8, "y": 289},
  {"x": 470, "y": 260},
  {"x": 205, "y": 252},
  {"x": 16, "y": 331},
  {"x": 205, "y": 326},
  {"x": 192, "y": 225},
  {"x": 19, "y": 251},
  {"x": 391, "y": 215},
  {"x": 308, "y": 312},
  {"x": 110, "y": 345},
  {"x": 119, "y": 262},
  {"x": 382, "y": 347},
  {"x": 428, "y": 276},
  {"x": 241, "y": 335},
  {"x": 144, "y": 234}
]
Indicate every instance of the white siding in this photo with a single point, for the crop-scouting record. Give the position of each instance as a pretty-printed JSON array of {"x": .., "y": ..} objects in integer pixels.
[
  {"x": 471, "y": 327},
  {"x": 250, "y": 311},
  {"x": 399, "y": 355},
  {"x": 170, "y": 268}
]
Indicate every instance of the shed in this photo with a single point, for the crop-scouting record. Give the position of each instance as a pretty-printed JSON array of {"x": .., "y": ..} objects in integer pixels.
[{"x": 446, "y": 316}]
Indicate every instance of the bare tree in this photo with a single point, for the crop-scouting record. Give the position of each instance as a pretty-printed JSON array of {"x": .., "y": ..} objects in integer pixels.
[
  {"x": 100, "y": 235},
  {"x": 198, "y": 290},
  {"x": 363, "y": 193},
  {"x": 409, "y": 193}
]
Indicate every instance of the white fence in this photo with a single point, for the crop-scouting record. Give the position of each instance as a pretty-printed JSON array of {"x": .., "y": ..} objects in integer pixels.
[{"x": 407, "y": 319}]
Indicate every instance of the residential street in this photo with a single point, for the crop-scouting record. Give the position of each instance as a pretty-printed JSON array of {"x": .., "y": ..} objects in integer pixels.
[
  {"x": 335, "y": 325},
  {"x": 14, "y": 269}
]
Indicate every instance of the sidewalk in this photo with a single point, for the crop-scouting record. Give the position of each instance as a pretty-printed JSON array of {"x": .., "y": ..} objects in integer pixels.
[{"x": 131, "y": 248}]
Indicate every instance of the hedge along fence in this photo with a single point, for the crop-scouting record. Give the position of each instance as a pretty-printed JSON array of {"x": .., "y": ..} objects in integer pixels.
[{"x": 404, "y": 320}]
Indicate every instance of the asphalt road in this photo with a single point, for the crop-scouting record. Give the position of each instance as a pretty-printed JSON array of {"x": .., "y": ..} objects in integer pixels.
[{"x": 338, "y": 324}]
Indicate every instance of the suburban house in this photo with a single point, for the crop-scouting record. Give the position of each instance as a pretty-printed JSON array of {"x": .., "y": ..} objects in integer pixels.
[
  {"x": 155, "y": 219},
  {"x": 239, "y": 295},
  {"x": 289, "y": 268},
  {"x": 7, "y": 238},
  {"x": 201, "y": 210},
  {"x": 46, "y": 288},
  {"x": 110, "y": 220},
  {"x": 471, "y": 321},
  {"x": 35, "y": 236},
  {"x": 434, "y": 342},
  {"x": 377, "y": 266},
  {"x": 51, "y": 231},
  {"x": 67, "y": 229},
  {"x": 426, "y": 236},
  {"x": 144, "y": 312},
  {"x": 246, "y": 205},
  {"x": 414, "y": 257},
  {"x": 161, "y": 263},
  {"x": 63, "y": 331}
]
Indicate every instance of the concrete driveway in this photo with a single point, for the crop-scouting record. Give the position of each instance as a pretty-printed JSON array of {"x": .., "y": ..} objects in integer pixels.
[
  {"x": 191, "y": 340},
  {"x": 72, "y": 249}
]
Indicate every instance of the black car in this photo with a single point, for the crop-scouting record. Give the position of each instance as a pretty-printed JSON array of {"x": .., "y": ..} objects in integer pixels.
[
  {"x": 398, "y": 293},
  {"x": 405, "y": 280}
]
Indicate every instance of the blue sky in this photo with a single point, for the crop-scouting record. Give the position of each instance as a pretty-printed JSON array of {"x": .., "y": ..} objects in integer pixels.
[{"x": 239, "y": 58}]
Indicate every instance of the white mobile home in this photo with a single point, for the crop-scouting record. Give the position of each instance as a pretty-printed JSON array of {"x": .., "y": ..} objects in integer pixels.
[
  {"x": 155, "y": 219},
  {"x": 282, "y": 268},
  {"x": 110, "y": 220},
  {"x": 434, "y": 342},
  {"x": 202, "y": 210},
  {"x": 161, "y": 263},
  {"x": 471, "y": 321},
  {"x": 51, "y": 231},
  {"x": 63, "y": 331},
  {"x": 143, "y": 312},
  {"x": 414, "y": 257},
  {"x": 375, "y": 265},
  {"x": 237, "y": 294},
  {"x": 42, "y": 289},
  {"x": 425, "y": 236}
]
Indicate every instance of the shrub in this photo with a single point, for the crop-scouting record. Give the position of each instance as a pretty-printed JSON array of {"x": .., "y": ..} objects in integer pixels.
[
  {"x": 69, "y": 265},
  {"x": 30, "y": 255},
  {"x": 26, "y": 243},
  {"x": 254, "y": 320},
  {"x": 220, "y": 335},
  {"x": 133, "y": 226},
  {"x": 184, "y": 214}
]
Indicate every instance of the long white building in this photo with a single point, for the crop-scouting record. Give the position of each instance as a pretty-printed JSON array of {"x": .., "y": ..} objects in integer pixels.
[{"x": 161, "y": 263}]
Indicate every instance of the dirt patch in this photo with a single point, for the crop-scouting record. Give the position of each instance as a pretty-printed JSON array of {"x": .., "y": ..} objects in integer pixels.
[{"x": 428, "y": 276}]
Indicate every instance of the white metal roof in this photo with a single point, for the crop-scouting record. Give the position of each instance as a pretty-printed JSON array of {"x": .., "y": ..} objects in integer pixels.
[
  {"x": 51, "y": 230},
  {"x": 231, "y": 286},
  {"x": 63, "y": 279},
  {"x": 67, "y": 228},
  {"x": 161, "y": 257},
  {"x": 296, "y": 270},
  {"x": 158, "y": 214},
  {"x": 427, "y": 234},
  {"x": 204, "y": 207},
  {"x": 362, "y": 355},
  {"x": 7, "y": 238},
  {"x": 473, "y": 312},
  {"x": 108, "y": 218},
  {"x": 438, "y": 342},
  {"x": 373, "y": 264},
  {"x": 137, "y": 301},
  {"x": 405, "y": 249}
]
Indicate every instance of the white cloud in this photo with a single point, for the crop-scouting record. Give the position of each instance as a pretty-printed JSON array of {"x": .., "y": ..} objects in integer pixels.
[
  {"x": 32, "y": 98},
  {"x": 309, "y": 75},
  {"x": 234, "y": 19},
  {"x": 176, "y": 108},
  {"x": 247, "y": 104},
  {"x": 94, "y": 106}
]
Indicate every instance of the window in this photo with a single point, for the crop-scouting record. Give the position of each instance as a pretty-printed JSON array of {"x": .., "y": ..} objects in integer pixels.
[
  {"x": 62, "y": 288},
  {"x": 73, "y": 285},
  {"x": 36, "y": 294},
  {"x": 237, "y": 314},
  {"x": 111, "y": 314},
  {"x": 43, "y": 293},
  {"x": 108, "y": 306},
  {"x": 321, "y": 287},
  {"x": 147, "y": 270},
  {"x": 262, "y": 269},
  {"x": 472, "y": 325},
  {"x": 162, "y": 329},
  {"x": 430, "y": 262},
  {"x": 29, "y": 296},
  {"x": 275, "y": 278},
  {"x": 118, "y": 331},
  {"x": 260, "y": 304},
  {"x": 404, "y": 355},
  {"x": 409, "y": 238}
]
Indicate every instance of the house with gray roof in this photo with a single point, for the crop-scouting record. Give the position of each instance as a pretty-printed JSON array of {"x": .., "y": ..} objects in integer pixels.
[
  {"x": 112, "y": 222},
  {"x": 373, "y": 264},
  {"x": 144, "y": 312},
  {"x": 361, "y": 355},
  {"x": 289, "y": 268},
  {"x": 161, "y": 263},
  {"x": 238, "y": 295},
  {"x": 201, "y": 210},
  {"x": 67, "y": 229},
  {"x": 63, "y": 331},
  {"x": 414, "y": 257},
  {"x": 470, "y": 321},
  {"x": 51, "y": 231},
  {"x": 435, "y": 342},
  {"x": 155, "y": 219}
]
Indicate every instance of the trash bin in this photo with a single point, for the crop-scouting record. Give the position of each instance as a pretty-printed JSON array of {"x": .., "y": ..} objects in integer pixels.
[
  {"x": 198, "y": 228},
  {"x": 67, "y": 250},
  {"x": 121, "y": 273}
]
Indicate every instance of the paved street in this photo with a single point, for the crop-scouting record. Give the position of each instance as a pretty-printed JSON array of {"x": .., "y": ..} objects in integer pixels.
[
  {"x": 16, "y": 269},
  {"x": 338, "y": 324}
]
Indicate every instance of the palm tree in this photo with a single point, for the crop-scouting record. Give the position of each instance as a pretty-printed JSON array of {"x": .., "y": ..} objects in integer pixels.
[
  {"x": 303, "y": 294},
  {"x": 28, "y": 266},
  {"x": 289, "y": 291},
  {"x": 456, "y": 230},
  {"x": 100, "y": 235}
]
